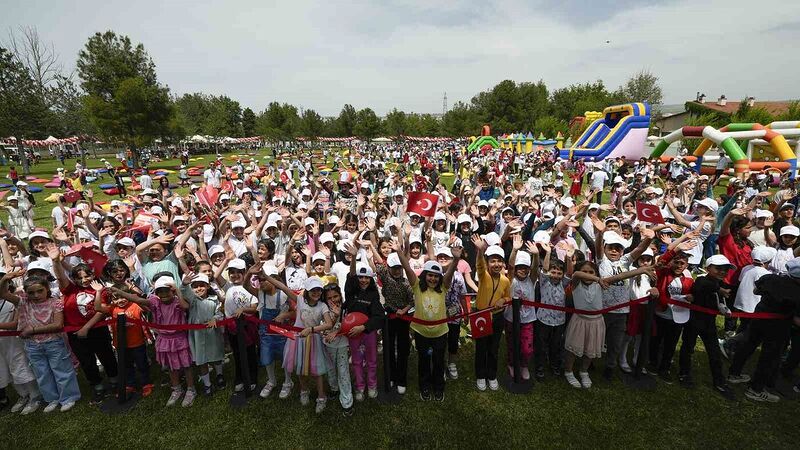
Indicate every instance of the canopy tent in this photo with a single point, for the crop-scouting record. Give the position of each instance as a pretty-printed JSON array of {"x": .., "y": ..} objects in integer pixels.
[
  {"x": 381, "y": 140},
  {"x": 50, "y": 141}
]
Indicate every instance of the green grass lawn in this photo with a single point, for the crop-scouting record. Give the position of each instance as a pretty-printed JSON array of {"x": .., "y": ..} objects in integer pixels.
[{"x": 553, "y": 415}]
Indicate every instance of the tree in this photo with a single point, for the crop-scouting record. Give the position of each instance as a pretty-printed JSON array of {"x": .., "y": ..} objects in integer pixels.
[
  {"x": 550, "y": 126},
  {"x": 642, "y": 87},
  {"x": 347, "y": 121},
  {"x": 225, "y": 117},
  {"x": 368, "y": 125},
  {"x": 278, "y": 122},
  {"x": 124, "y": 99},
  {"x": 248, "y": 122},
  {"x": 395, "y": 123},
  {"x": 22, "y": 111},
  {"x": 461, "y": 120},
  {"x": 311, "y": 124},
  {"x": 39, "y": 58},
  {"x": 576, "y": 99}
]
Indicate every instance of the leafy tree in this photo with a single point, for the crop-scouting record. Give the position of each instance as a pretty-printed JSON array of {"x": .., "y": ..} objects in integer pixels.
[
  {"x": 395, "y": 123},
  {"x": 124, "y": 99},
  {"x": 311, "y": 124},
  {"x": 792, "y": 112},
  {"x": 461, "y": 120},
  {"x": 576, "y": 99},
  {"x": 347, "y": 121},
  {"x": 368, "y": 125},
  {"x": 642, "y": 87},
  {"x": 22, "y": 111},
  {"x": 751, "y": 114},
  {"x": 248, "y": 122},
  {"x": 225, "y": 117},
  {"x": 278, "y": 122},
  {"x": 550, "y": 126}
]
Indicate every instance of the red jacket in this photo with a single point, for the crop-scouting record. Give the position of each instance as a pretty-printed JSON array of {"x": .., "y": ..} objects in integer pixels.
[{"x": 664, "y": 277}]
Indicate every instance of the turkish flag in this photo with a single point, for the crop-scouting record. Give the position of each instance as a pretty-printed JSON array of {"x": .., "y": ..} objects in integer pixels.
[
  {"x": 95, "y": 260},
  {"x": 226, "y": 185},
  {"x": 284, "y": 177},
  {"x": 646, "y": 212},
  {"x": 481, "y": 324},
  {"x": 207, "y": 196},
  {"x": 422, "y": 203}
]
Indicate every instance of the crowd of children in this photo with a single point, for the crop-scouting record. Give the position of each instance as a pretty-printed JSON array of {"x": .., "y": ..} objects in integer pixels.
[{"x": 346, "y": 262}]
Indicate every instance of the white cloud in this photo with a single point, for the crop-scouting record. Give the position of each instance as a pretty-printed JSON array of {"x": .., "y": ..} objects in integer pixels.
[{"x": 407, "y": 53}]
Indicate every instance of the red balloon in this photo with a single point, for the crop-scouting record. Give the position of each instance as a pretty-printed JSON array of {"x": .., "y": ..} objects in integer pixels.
[{"x": 353, "y": 319}]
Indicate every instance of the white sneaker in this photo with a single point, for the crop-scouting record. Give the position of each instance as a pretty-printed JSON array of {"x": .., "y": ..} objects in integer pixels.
[
  {"x": 481, "y": 384},
  {"x": 572, "y": 380},
  {"x": 52, "y": 406},
  {"x": 189, "y": 398},
  {"x": 67, "y": 406},
  {"x": 286, "y": 391},
  {"x": 174, "y": 397},
  {"x": 267, "y": 390},
  {"x": 305, "y": 398},
  {"x": 32, "y": 406},
  {"x": 494, "y": 385},
  {"x": 372, "y": 392},
  {"x": 526, "y": 374},
  {"x": 21, "y": 402},
  {"x": 320, "y": 405},
  {"x": 401, "y": 390},
  {"x": 359, "y": 396},
  {"x": 511, "y": 372},
  {"x": 762, "y": 396},
  {"x": 452, "y": 370},
  {"x": 239, "y": 387},
  {"x": 586, "y": 382}
]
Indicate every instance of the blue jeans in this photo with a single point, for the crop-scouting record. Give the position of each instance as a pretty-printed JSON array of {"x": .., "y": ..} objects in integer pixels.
[
  {"x": 55, "y": 374},
  {"x": 136, "y": 361},
  {"x": 710, "y": 245}
]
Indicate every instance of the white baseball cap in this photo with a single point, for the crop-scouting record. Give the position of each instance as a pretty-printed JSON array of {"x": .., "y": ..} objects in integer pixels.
[
  {"x": 326, "y": 237},
  {"x": 439, "y": 216},
  {"x": 393, "y": 260},
  {"x": 237, "y": 264},
  {"x": 309, "y": 221},
  {"x": 523, "y": 259},
  {"x": 763, "y": 213},
  {"x": 463, "y": 218},
  {"x": 719, "y": 260},
  {"x": 495, "y": 250},
  {"x": 200, "y": 278},
  {"x": 126, "y": 242},
  {"x": 541, "y": 237},
  {"x": 34, "y": 265},
  {"x": 312, "y": 283},
  {"x": 39, "y": 233},
  {"x": 612, "y": 238},
  {"x": 793, "y": 267},
  {"x": 239, "y": 224},
  {"x": 491, "y": 238},
  {"x": 763, "y": 254},
  {"x": 318, "y": 255},
  {"x": 270, "y": 269},
  {"x": 163, "y": 282},
  {"x": 433, "y": 267},
  {"x": 708, "y": 203},
  {"x": 363, "y": 270},
  {"x": 443, "y": 251},
  {"x": 215, "y": 249},
  {"x": 790, "y": 230}
]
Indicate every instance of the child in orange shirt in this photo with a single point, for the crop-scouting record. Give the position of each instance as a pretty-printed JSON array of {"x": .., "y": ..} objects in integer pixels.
[{"x": 136, "y": 360}]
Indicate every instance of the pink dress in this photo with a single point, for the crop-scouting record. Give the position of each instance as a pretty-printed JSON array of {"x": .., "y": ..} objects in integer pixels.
[{"x": 172, "y": 346}]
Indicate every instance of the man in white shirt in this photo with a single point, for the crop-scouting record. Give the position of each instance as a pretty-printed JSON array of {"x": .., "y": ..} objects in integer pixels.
[
  {"x": 212, "y": 176},
  {"x": 598, "y": 180},
  {"x": 145, "y": 180}
]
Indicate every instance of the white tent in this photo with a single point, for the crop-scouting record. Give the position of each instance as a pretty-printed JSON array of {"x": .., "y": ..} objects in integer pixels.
[
  {"x": 382, "y": 140},
  {"x": 198, "y": 138}
]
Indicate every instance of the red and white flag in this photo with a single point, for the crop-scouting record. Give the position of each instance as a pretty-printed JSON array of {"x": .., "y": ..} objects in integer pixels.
[
  {"x": 481, "y": 324},
  {"x": 646, "y": 212},
  {"x": 95, "y": 260},
  {"x": 207, "y": 196},
  {"x": 422, "y": 203}
]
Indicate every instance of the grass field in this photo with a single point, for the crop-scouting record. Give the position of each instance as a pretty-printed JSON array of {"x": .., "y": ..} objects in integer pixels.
[{"x": 553, "y": 415}]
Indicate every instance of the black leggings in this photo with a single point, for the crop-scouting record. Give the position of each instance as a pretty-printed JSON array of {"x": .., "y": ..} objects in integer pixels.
[
  {"x": 252, "y": 360},
  {"x": 453, "y": 335},
  {"x": 398, "y": 344},
  {"x": 96, "y": 345},
  {"x": 664, "y": 342}
]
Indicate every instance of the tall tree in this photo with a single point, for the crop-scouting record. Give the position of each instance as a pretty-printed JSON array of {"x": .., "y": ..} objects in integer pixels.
[
  {"x": 347, "y": 121},
  {"x": 642, "y": 87},
  {"x": 576, "y": 99},
  {"x": 22, "y": 111},
  {"x": 461, "y": 120},
  {"x": 124, "y": 99},
  {"x": 278, "y": 122},
  {"x": 395, "y": 123},
  {"x": 368, "y": 125},
  {"x": 311, "y": 124},
  {"x": 248, "y": 122}
]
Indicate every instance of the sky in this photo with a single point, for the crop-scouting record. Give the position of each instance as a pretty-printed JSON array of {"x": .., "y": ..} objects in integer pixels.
[{"x": 408, "y": 53}]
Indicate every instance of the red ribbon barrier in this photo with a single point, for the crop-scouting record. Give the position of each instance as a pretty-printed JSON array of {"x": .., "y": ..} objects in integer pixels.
[{"x": 714, "y": 312}]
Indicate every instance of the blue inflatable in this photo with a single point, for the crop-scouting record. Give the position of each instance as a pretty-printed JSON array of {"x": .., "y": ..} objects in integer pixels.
[{"x": 108, "y": 186}]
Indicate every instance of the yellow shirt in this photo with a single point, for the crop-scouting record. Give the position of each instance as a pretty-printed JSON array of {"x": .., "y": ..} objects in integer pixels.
[
  {"x": 490, "y": 289},
  {"x": 429, "y": 305}
]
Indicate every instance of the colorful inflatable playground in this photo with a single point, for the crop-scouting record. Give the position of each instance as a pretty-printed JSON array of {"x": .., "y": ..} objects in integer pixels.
[
  {"x": 766, "y": 146},
  {"x": 621, "y": 132}
]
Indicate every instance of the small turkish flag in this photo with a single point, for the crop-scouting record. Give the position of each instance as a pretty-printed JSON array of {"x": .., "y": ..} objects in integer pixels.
[
  {"x": 95, "y": 260},
  {"x": 646, "y": 212},
  {"x": 284, "y": 177},
  {"x": 207, "y": 196},
  {"x": 422, "y": 203},
  {"x": 481, "y": 324}
]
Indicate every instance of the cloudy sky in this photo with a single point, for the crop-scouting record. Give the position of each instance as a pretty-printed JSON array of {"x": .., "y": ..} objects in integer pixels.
[{"x": 407, "y": 53}]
